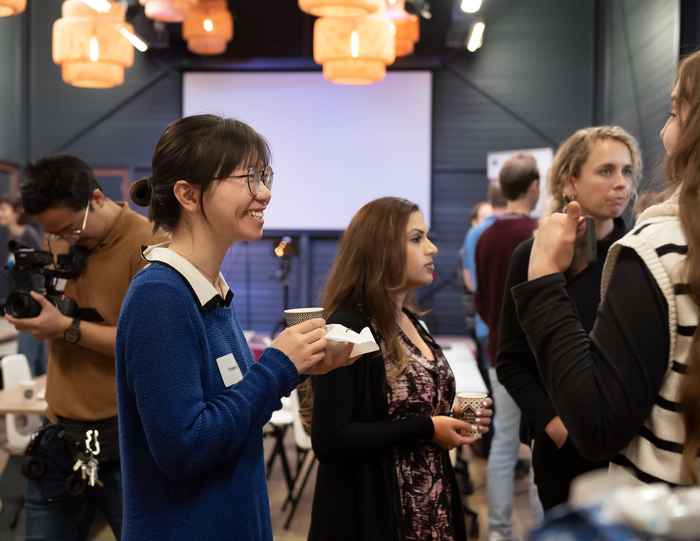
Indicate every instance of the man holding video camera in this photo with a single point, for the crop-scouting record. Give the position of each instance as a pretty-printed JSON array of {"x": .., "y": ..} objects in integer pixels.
[{"x": 73, "y": 464}]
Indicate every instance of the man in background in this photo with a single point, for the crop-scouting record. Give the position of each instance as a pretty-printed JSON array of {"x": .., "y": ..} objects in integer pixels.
[
  {"x": 519, "y": 182},
  {"x": 105, "y": 239}
]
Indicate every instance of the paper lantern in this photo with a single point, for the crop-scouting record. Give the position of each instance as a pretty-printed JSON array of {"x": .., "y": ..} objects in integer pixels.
[
  {"x": 88, "y": 46},
  {"x": 12, "y": 7},
  {"x": 208, "y": 27},
  {"x": 167, "y": 11},
  {"x": 339, "y": 8},
  {"x": 354, "y": 50},
  {"x": 407, "y": 27}
]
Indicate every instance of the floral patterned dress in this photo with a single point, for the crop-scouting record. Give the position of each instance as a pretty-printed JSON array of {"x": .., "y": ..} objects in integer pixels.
[{"x": 426, "y": 387}]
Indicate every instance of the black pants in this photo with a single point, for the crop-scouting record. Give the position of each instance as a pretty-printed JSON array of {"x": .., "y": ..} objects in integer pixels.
[{"x": 555, "y": 468}]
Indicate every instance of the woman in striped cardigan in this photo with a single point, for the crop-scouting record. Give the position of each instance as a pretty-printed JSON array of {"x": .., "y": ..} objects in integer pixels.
[{"x": 630, "y": 391}]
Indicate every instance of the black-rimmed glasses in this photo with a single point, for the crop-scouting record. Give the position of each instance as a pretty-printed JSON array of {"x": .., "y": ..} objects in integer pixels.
[
  {"x": 71, "y": 234},
  {"x": 256, "y": 177}
]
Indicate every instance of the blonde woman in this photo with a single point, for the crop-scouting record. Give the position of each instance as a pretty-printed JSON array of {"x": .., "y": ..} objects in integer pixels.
[{"x": 598, "y": 167}]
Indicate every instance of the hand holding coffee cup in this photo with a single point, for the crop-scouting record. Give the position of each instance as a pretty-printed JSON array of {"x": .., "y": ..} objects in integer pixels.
[
  {"x": 474, "y": 408},
  {"x": 449, "y": 432},
  {"x": 304, "y": 343}
]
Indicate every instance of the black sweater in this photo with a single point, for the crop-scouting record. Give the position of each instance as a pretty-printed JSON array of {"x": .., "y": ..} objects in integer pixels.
[
  {"x": 357, "y": 495},
  {"x": 516, "y": 365},
  {"x": 602, "y": 385}
]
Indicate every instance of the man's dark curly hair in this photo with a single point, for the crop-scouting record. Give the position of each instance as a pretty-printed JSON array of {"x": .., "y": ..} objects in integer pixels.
[{"x": 57, "y": 181}]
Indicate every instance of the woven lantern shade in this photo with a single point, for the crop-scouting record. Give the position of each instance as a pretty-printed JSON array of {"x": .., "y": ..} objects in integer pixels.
[
  {"x": 407, "y": 27},
  {"x": 12, "y": 7},
  {"x": 208, "y": 27},
  {"x": 88, "y": 46},
  {"x": 354, "y": 50},
  {"x": 167, "y": 11},
  {"x": 339, "y": 8}
]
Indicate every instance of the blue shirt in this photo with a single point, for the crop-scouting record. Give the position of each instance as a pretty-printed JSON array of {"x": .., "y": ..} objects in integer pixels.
[
  {"x": 191, "y": 446},
  {"x": 471, "y": 239}
]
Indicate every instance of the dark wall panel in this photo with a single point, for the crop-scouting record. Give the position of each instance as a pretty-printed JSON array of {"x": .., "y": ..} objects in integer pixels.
[
  {"x": 529, "y": 86},
  {"x": 12, "y": 37},
  {"x": 642, "y": 43}
]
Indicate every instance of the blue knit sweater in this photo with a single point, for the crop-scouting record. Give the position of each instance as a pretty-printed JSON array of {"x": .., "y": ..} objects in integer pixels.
[{"x": 191, "y": 448}]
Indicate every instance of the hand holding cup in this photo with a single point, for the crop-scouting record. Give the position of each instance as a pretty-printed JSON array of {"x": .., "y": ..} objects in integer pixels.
[
  {"x": 475, "y": 409},
  {"x": 324, "y": 355},
  {"x": 304, "y": 344}
]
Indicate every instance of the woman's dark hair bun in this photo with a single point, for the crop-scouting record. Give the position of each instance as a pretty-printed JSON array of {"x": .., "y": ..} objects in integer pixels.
[{"x": 141, "y": 191}]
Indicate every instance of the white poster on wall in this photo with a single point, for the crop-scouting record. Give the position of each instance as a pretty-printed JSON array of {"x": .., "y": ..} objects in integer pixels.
[{"x": 543, "y": 157}]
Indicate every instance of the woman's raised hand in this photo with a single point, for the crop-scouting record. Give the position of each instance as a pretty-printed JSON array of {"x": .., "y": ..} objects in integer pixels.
[{"x": 555, "y": 238}]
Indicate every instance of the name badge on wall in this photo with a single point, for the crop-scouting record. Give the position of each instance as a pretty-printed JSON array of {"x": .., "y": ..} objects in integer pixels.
[{"x": 229, "y": 369}]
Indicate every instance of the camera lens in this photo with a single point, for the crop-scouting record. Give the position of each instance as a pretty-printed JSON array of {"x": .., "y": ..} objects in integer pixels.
[{"x": 20, "y": 304}]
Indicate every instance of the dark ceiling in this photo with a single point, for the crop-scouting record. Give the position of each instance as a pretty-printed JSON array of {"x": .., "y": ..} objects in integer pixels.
[{"x": 278, "y": 29}]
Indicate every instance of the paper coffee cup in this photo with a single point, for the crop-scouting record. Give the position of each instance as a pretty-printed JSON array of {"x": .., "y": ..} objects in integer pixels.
[
  {"x": 466, "y": 405},
  {"x": 294, "y": 316},
  {"x": 28, "y": 388}
]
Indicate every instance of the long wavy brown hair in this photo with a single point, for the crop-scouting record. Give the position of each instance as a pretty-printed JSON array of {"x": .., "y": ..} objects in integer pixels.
[
  {"x": 683, "y": 169},
  {"x": 368, "y": 271}
]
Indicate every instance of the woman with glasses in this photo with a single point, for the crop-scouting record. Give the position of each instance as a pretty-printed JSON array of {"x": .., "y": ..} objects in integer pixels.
[{"x": 192, "y": 403}]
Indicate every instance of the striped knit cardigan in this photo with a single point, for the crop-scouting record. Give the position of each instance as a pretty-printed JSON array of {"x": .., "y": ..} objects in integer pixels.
[{"x": 655, "y": 453}]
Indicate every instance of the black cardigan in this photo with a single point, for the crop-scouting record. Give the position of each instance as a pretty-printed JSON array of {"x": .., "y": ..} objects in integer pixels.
[
  {"x": 602, "y": 384},
  {"x": 516, "y": 365},
  {"x": 357, "y": 495}
]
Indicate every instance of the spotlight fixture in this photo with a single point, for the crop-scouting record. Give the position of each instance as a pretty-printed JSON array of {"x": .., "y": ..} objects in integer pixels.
[
  {"x": 285, "y": 248},
  {"x": 476, "y": 37},
  {"x": 470, "y": 6},
  {"x": 421, "y": 7}
]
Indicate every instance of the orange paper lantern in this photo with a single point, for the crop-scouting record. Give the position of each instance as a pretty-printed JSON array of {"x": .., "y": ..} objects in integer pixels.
[
  {"x": 167, "y": 11},
  {"x": 208, "y": 28},
  {"x": 407, "y": 27},
  {"x": 354, "y": 50},
  {"x": 88, "y": 46},
  {"x": 339, "y": 8},
  {"x": 12, "y": 7}
]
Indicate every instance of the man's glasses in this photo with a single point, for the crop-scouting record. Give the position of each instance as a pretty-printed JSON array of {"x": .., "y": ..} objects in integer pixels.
[
  {"x": 256, "y": 177},
  {"x": 72, "y": 233}
]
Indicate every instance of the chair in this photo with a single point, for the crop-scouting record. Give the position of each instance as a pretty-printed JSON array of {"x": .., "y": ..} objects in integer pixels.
[
  {"x": 277, "y": 427},
  {"x": 15, "y": 368},
  {"x": 306, "y": 460}
]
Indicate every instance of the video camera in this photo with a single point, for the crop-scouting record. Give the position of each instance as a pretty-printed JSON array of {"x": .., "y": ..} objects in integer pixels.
[{"x": 35, "y": 270}]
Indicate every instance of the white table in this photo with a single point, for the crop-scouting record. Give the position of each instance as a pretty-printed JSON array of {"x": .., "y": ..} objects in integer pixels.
[
  {"x": 13, "y": 401},
  {"x": 463, "y": 363}
]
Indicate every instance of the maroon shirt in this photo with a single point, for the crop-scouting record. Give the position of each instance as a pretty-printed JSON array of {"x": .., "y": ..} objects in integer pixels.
[{"x": 493, "y": 252}]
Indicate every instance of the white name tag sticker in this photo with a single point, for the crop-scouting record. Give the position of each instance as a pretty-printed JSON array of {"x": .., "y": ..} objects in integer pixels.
[{"x": 230, "y": 372}]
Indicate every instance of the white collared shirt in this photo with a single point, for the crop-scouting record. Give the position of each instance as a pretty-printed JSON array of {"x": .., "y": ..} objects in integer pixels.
[{"x": 203, "y": 289}]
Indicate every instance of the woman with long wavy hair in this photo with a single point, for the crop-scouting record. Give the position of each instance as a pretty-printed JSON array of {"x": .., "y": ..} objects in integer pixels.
[
  {"x": 382, "y": 429},
  {"x": 630, "y": 391}
]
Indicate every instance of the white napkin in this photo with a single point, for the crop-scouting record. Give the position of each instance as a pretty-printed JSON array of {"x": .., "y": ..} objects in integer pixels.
[{"x": 362, "y": 343}]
